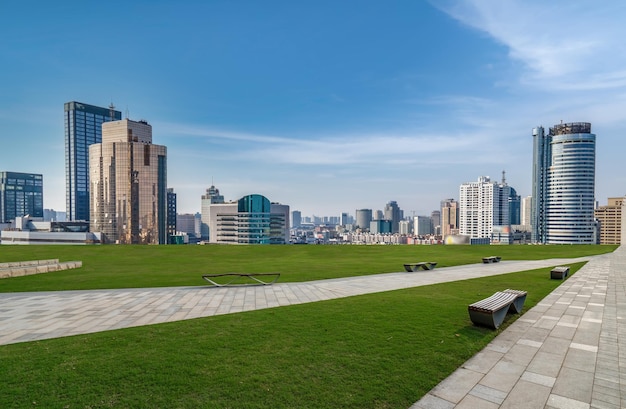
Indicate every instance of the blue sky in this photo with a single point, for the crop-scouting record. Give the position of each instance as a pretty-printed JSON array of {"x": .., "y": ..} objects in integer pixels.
[{"x": 327, "y": 106}]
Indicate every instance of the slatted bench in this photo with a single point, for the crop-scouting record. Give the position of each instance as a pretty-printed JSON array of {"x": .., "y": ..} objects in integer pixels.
[
  {"x": 491, "y": 311},
  {"x": 424, "y": 265},
  {"x": 491, "y": 259},
  {"x": 241, "y": 279},
  {"x": 559, "y": 273}
]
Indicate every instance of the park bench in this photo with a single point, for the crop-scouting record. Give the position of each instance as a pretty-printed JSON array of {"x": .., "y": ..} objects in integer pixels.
[
  {"x": 559, "y": 273},
  {"x": 241, "y": 279},
  {"x": 491, "y": 311},
  {"x": 491, "y": 259},
  {"x": 424, "y": 265}
]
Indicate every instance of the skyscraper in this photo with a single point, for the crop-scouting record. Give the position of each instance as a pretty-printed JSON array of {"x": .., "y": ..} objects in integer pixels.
[
  {"x": 393, "y": 214},
  {"x": 171, "y": 213},
  {"x": 83, "y": 127},
  {"x": 21, "y": 194},
  {"x": 363, "y": 218},
  {"x": 563, "y": 185},
  {"x": 128, "y": 177}
]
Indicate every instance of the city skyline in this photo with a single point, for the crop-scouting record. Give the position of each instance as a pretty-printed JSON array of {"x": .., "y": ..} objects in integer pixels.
[{"x": 325, "y": 107}]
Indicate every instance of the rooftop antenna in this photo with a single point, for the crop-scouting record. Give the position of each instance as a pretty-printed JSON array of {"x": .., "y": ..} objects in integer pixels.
[
  {"x": 503, "y": 178},
  {"x": 127, "y": 113},
  {"x": 112, "y": 111}
]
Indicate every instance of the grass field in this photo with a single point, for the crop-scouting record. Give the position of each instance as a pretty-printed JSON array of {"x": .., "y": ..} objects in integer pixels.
[
  {"x": 163, "y": 266},
  {"x": 380, "y": 351}
]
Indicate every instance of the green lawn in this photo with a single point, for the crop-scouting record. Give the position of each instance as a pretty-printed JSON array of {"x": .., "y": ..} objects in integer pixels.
[
  {"x": 159, "y": 266},
  {"x": 382, "y": 350}
]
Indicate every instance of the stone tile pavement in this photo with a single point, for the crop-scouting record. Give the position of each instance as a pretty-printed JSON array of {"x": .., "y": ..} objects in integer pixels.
[{"x": 564, "y": 353}]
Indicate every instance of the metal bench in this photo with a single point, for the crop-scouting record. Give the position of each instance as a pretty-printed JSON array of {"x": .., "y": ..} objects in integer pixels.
[
  {"x": 559, "y": 273},
  {"x": 241, "y": 279},
  {"x": 491, "y": 259},
  {"x": 491, "y": 311},
  {"x": 424, "y": 265}
]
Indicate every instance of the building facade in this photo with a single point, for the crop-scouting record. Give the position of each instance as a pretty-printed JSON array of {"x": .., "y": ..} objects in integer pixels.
[
  {"x": 253, "y": 219},
  {"x": 83, "y": 128},
  {"x": 128, "y": 177},
  {"x": 296, "y": 218},
  {"x": 483, "y": 205},
  {"x": 393, "y": 214},
  {"x": 21, "y": 194},
  {"x": 610, "y": 219},
  {"x": 563, "y": 184}
]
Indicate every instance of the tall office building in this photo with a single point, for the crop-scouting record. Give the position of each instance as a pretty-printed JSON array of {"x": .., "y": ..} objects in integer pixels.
[
  {"x": 422, "y": 225},
  {"x": 296, "y": 218},
  {"x": 171, "y": 213},
  {"x": 515, "y": 203},
  {"x": 363, "y": 218},
  {"x": 21, "y": 194},
  {"x": 564, "y": 162},
  {"x": 83, "y": 127},
  {"x": 128, "y": 177},
  {"x": 212, "y": 196},
  {"x": 483, "y": 205},
  {"x": 393, "y": 214},
  {"x": 449, "y": 217}
]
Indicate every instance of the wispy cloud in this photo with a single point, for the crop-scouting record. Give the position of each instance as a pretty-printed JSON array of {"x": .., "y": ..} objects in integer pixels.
[{"x": 563, "y": 44}]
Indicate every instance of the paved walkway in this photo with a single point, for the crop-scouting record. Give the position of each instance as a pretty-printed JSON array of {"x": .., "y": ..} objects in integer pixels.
[
  {"x": 563, "y": 353},
  {"x": 568, "y": 352}
]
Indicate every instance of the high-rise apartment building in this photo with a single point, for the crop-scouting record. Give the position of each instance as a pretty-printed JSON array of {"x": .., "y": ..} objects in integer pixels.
[
  {"x": 83, "y": 128},
  {"x": 449, "y": 217},
  {"x": 564, "y": 162},
  {"x": 128, "y": 177},
  {"x": 212, "y": 196},
  {"x": 21, "y": 194},
  {"x": 482, "y": 206},
  {"x": 610, "y": 219},
  {"x": 422, "y": 225}
]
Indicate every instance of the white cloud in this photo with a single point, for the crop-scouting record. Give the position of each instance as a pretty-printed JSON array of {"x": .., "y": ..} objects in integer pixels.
[{"x": 575, "y": 45}]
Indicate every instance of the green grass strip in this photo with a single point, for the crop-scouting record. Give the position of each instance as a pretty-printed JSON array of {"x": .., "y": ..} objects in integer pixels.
[{"x": 167, "y": 266}]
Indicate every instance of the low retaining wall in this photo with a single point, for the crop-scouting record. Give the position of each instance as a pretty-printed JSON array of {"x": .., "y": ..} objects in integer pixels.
[{"x": 24, "y": 268}]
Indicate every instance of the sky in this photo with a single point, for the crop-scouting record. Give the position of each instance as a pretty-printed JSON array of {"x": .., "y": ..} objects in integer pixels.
[{"x": 326, "y": 106}]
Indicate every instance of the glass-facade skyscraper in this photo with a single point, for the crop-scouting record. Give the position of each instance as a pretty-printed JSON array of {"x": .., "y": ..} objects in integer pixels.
[
  {"x": 563, "y": 199},
  {"x": 21, "y": 194},
  {"x": 83, "y": 127},
  {"x": 128, "y": 176}
]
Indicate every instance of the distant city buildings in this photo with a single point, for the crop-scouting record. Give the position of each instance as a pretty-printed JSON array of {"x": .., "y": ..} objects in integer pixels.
[
  {"x": 21, "y": 194},
  {"x": 296, "y": 218},
  {"x": 128, "y": 177},
  {"x": 610, "y": 219},
  {"x": 525, "y": 211},
  {"x": 563, "y": 184},
  {"x": 253, "y": 219},
  {"x": 83, "y": 128},
  {"x": 422, "y": 225},
  {"x": 393, "y": 214}
]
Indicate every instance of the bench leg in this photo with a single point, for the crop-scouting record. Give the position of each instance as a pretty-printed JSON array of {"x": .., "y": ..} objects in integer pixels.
[{"x": 493, "y": 320}]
